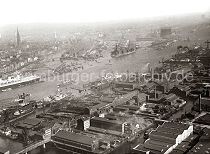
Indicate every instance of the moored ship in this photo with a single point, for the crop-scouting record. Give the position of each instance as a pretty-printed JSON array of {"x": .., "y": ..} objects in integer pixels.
[
  {"x": 123, "y": 49},
  {"x": 16, "y": 81}
]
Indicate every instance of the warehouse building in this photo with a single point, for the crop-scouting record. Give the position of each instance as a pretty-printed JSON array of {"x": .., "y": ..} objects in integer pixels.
[
  {"x": 104, "y": 123},
  {"x": 75, "y": 142},
  {"x": 165, "y": 138}
]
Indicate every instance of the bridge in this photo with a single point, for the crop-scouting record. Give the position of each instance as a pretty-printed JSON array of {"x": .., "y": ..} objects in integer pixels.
[{"x": 34, "y": 146}]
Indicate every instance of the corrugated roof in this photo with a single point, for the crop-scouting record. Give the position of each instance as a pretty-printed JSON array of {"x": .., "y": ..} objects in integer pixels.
[
  {"x": 174, "y": 131},
  {"x": 159, "y": 143},
  {"x": 174, "y": 125},
  {"x": 163, "y": 137}
]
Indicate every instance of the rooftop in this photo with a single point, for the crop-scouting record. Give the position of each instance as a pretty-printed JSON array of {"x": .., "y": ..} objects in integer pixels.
[
  {"x": 205, "y": 119},
  {"x": 32, "y": 121},
  {"x": 29, "y": 123},
  {"x": 74, "y": 137},
  {"x": 203, "y": 146},
  {"x": 104, "y": 131},
  {"x": 107, "y": 120},
  {"x": 156, "y": 146}
]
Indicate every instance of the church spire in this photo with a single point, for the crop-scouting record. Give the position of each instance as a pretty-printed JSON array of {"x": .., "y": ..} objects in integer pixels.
[{"x": 18, "y": 38}]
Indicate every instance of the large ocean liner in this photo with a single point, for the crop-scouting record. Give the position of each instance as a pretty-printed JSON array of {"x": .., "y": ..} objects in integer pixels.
[{"x": 16, "y": 81}]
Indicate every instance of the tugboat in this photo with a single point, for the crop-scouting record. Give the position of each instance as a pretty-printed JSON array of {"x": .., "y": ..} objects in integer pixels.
[{"x": 123, "y": 49}]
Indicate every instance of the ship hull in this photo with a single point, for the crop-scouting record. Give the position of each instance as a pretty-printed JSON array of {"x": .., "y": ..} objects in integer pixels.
[
  {"x": 16, "y": 85},
  {"x": 122, "y": 55}
]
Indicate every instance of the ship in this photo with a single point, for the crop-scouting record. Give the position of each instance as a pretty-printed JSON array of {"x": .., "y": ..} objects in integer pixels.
[
  {"x": 123, "y": 49},
  {"x": 16, "y": 81}
]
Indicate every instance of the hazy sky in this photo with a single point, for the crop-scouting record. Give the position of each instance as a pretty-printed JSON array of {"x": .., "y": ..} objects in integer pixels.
[{"x": 27, "y": 11}]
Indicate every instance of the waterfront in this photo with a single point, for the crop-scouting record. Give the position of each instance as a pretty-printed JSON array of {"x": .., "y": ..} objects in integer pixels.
[
  {"x": 89, "y": 101},
  {"x": 140, "y": 59},
  {"x": 137, "y": 62}
]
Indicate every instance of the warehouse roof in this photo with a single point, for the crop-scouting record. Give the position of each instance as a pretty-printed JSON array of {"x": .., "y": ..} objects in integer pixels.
[
  {"x": 105, "y": 131},
  {"x": 159, "y": 143},
  {"x": 162, "y": 135},
  {"x": 107, "y": 120},
  {"x": 175, "y": 125},
  {"x": 74, "y": 137},
  {"x": 168, "y": 130},
  {"x": 174, "y": 131}
]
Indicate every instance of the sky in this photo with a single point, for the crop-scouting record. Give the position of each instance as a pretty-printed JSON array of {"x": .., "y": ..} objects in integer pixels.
[{"x": 71, "y": 11}]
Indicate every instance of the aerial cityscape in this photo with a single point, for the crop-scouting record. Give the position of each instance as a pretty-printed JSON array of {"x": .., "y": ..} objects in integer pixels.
[{"x": 127, "y": 86}]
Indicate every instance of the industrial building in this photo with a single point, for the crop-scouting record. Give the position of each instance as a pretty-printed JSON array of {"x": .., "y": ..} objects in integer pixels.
[
  {"x": 75, "y": 142},
  {"x": 106, "y": 124},
  {"x": 165, "y": 138}
]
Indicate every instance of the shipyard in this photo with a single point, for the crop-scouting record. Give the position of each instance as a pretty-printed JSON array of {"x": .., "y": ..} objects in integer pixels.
[{"x": 114, "y": 87}]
